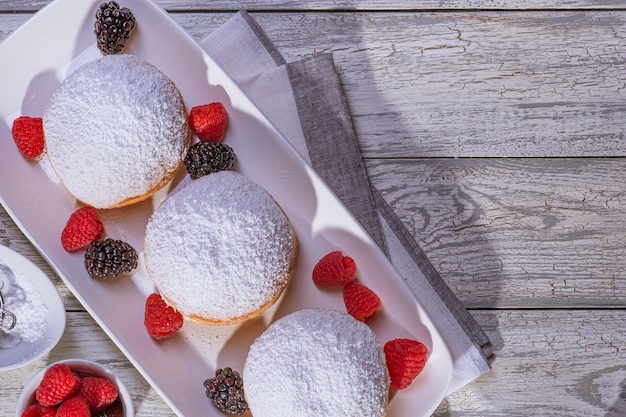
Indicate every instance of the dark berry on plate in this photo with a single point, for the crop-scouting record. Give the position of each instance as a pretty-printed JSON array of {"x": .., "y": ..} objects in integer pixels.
[
  {"x": 204, "y": 158},
  {"x": 113, "y": 27},
  {"x": 225, "y": 389},
  {"x": 109, "y": 258}
]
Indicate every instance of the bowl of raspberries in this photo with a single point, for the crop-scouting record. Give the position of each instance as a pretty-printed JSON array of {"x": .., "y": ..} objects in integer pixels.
[{"x": 74, "y": 388}]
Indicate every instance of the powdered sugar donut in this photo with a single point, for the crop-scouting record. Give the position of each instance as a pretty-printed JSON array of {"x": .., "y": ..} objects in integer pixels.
[
  {"x": 220, "y": 250},
  {"x": 116, "y": 131},
  {"x": 316, "y": 362}
]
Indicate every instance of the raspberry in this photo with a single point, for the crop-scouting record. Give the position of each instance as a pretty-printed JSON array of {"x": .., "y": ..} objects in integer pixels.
[
  {"x": 32, "y": 411},
  {"x": 161, "y": 320},
  {"x": 405, "y": 360},
  {"x": 47, "y": 411},
  {"x": 99, "y": 393},
  {"x": 36, "y": 410},
  {"x": 361, "y": 302},
  {"x": 334, "y": 270},
  {"x": 58, "y": 383},
  {"x": 73, "y": 407},
  {"x": 209, "y": 121},
  {"x": 28, "y": 135},
  {"x": 82, "y": 228}
]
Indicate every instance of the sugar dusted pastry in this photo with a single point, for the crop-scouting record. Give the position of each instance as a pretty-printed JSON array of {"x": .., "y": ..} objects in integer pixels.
[
  {"x": 220, "y": 250},
  {"x": 313, "y": 363},
  {"x": 116, "y": 131}
]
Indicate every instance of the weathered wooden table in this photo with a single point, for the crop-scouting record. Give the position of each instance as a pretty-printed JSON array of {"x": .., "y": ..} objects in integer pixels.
[{"x": 495, "y": 129}]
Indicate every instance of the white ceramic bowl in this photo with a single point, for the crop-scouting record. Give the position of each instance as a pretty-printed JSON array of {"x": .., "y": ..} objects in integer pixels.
[
  {"x": 82, "y": 367},
  {"x": 38, "y": 288}
]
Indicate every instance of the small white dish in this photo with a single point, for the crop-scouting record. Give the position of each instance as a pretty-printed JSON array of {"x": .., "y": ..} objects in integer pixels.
[
  {"x": 39, "y": 311},
  {"x": 82, "y": 367}
]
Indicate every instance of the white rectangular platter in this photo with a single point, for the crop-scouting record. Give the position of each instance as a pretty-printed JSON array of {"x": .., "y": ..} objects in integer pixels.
[{"x": 40, "y": 206}]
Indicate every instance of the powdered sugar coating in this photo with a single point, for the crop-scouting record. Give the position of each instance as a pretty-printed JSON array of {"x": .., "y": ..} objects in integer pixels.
[
  {"x": 22, "y": 299},
  {"x": 316, "y": 362},
  {"x": 116, "y": 130},
  {"x": 220, "y": 249}
]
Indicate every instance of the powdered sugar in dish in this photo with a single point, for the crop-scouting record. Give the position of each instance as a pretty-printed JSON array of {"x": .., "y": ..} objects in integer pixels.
[
  {"x": 326, "y": 364},
  {"x": 220, "y": 248},
  {"x": 22, "y": 299}
]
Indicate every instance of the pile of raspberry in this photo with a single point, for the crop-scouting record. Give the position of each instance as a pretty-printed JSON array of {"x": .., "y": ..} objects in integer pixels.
[
  {"x": 64, "y": 393},
  {"x": 405, "y": 358}
]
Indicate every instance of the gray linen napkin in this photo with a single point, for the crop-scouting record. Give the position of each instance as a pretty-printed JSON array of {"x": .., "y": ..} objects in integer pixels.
[{"x": 305, "y": 101}]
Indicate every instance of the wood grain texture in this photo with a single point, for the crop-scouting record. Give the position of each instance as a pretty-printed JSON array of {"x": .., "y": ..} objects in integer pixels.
[
  {"x": 570, "y": 362},
  {"x": 501, "y": 232},
  {"x": 474, "y": 84},
  {"x": 353, "y": 5},
  {"x": 548, "y": 363},
  {"x": 495, "y": 130},
  {"x": 471, "y": 84},
  {"x": 516, "y": 232}
]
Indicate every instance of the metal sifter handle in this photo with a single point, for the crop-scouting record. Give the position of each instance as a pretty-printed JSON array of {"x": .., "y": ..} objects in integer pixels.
[{"x": 7, "y": 318}]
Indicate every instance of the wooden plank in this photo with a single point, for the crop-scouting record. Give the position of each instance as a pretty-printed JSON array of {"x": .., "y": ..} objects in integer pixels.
[
  {"x": 516, "y": 232},
  {"x": 469, "y": 84},
  {"x": 570, "y": 362},
  {"x": 506, "y": 224},
  {"x": 502, "y": 232},
  {"x": 9, "y": 23},
  {"x": 351, "y": 5},
  {"x": 548, "y": 363}
]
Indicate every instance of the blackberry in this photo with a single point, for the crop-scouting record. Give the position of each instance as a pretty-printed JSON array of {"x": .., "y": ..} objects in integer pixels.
[
  {"x": 226, "y": 391},
  {"x": 113, "y": 27},
  {"x": 204, "y": 158},
  {"x": 114, "y": 410},
  {"x": 109, "y": 258}
]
